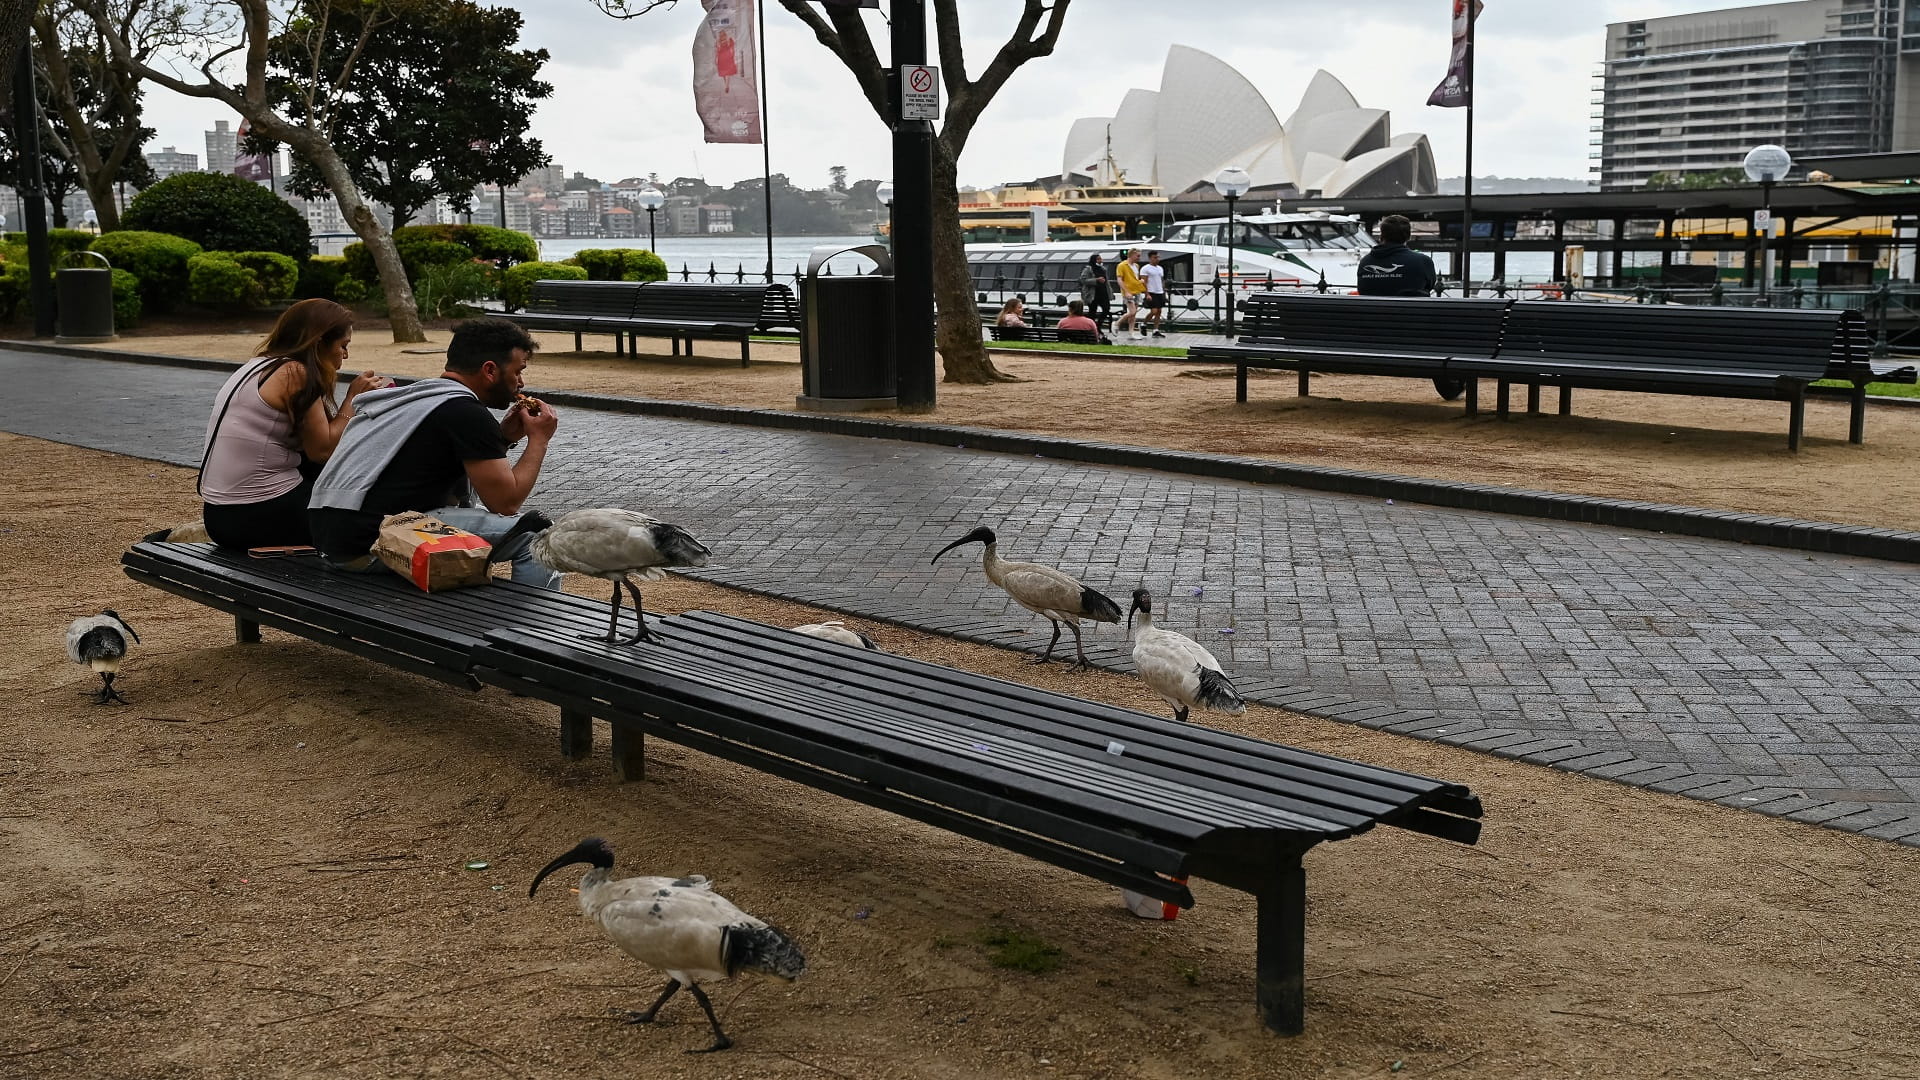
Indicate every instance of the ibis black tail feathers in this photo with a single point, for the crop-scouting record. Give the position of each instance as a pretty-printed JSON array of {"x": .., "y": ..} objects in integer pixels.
[
  {"x": 1218, "y": 694},
  {"x": 764, "y": 949},
  {"x": 1098, "y": 606}
]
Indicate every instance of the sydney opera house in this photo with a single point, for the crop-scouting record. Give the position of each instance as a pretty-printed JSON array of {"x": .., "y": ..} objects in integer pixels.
[{"x": 1207, "y": 116}]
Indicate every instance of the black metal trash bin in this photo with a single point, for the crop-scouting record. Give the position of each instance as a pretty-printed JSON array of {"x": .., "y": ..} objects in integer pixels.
[
  {"x": 83, "y": 301},
  {"x": 846, "y": 334}
]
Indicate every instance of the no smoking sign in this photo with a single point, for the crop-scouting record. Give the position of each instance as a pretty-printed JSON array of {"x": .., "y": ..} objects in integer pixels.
[{"x": 919, "y": 92}]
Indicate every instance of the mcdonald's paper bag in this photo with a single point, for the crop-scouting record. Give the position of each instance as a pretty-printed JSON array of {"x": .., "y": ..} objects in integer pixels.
[{"x": 430, "y": 553}]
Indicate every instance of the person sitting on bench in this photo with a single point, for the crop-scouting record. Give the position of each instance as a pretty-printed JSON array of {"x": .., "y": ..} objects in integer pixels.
[{"x": 429, "y": 445}]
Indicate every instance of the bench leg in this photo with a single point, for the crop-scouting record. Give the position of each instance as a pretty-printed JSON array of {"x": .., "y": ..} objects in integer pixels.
[
  {"x": 1566, "y": 401},
  {"x": 576, "y": 733},
  {"x": 1857, "y": 419},
  {"x": 1240, "y": 383},
  {"x": 245, "y": 631},
  {"x": 1473, "y": 397},
  {"x": 743, "y": 352},
  {"x": 1502, "y": 410},
  {"x": 619, "y": 343},
  {"x": 1304, "y": 377},
  {"x": 629, "y": 753},
  {"x": 576, "y": 342},
  {"x": 1281, "y": 949},
  {"x": 1796, "y": 421},
  {"x": 1533, "y": 399}
]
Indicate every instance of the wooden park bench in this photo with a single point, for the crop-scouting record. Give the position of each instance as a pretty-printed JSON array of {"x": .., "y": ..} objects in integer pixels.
[
  {"x": 1408, "y": 337},
  {"x": 1127, "y": 798},
  {"x": 579, "y": 307},
  {"x": 682, "y": 311},
  {"x": 1767, "y": 353}
]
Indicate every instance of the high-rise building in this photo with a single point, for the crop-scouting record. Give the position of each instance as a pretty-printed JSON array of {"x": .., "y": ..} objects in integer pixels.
[
  {"x": 1694, "y": 93},
  {"x": 220, "y": 144},
  {"x": 168, "y": 161}
]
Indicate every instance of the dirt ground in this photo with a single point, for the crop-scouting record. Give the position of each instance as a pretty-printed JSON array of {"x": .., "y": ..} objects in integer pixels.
[
  {"x": 1719, "y": 453},
  {"x": 255, "y": 869}
]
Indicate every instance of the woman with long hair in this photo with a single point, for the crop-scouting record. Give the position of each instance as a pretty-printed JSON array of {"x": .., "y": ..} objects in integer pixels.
[
  {"x": 1013, "y": 313},
  {"x": 273, "y": 424}
]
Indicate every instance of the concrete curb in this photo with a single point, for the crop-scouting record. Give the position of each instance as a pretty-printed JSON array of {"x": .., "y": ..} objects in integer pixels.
[{"x": 1766, "y": 530}]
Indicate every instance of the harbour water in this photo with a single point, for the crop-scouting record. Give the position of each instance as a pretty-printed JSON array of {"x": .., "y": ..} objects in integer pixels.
[{"x": 724, "y": 254}]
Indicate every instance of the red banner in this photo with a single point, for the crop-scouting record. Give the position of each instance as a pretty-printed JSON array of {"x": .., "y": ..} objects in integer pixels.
[
  {"x": 1456, "y": 90},
  {"x": 725, "y": 91}
]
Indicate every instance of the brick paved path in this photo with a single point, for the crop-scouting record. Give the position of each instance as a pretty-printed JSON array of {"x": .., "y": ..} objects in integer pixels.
[{"x": 1760, "y": 678}]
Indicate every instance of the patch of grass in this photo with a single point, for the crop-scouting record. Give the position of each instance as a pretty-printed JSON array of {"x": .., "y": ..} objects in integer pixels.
[
  {"x": 1020, "y": 951},
  {"x": 1060, "y": 346},
  {"x": 1881, "y": 389},
  {"x": 944, "y": 941},
  {"x": 1191, "y": 973}
]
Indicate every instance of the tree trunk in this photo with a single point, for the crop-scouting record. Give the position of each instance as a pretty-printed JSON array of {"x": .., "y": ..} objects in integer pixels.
[
  {"x": 963, "y": 354},
  {"x": 402, "y": 313}
]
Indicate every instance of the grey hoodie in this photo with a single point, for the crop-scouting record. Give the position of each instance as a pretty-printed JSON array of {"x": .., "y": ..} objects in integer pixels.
[{"x": 382, "y": 422}]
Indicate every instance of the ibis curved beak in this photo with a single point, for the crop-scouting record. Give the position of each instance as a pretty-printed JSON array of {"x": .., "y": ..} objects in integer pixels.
[
  {"x": 128, "y": 629},
  {"x": 1130, "y": 611},
  {"x": 568, "y": 859},
  {"x": 955, "y": 544}
]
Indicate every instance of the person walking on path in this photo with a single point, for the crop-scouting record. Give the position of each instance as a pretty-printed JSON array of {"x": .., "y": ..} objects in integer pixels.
[
  {"x": 1153, "y": 277},
  {"x": 1394, "y": 269},
  {"x": 1132, "y": 291},
  {"x": 1096, "y": 291}
]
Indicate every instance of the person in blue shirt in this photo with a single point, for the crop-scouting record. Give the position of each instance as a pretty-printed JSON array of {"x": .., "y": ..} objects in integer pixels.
[{"x": 1392, "y": 268}]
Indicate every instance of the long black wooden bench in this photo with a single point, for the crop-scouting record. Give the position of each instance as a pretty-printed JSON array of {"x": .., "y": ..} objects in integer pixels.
[
  {"x": 1409, "y": 337},
  {"x": 1766, "y": 353},
  {"x": 682, "y": 311},
  {"x": 1121, "y": 796},
  {"x": 1044, "y": 333}
]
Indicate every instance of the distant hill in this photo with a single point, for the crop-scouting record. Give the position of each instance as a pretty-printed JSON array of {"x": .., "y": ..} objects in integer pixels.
[{"x": 1513, "y": 185}]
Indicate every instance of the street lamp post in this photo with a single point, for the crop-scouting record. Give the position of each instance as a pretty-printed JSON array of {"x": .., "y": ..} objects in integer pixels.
[
  {"x": 1766, "y": 165},
  {"x": 1232, "y": 183},
  {"x": 884, "y": 192},
  {"x": 652, "y": 200},
  {"x": 93, "y": 221}
]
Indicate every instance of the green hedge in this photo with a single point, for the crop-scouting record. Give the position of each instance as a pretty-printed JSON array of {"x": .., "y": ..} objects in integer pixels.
[
  {"x": 220, "y": 212},
  {"x": 620, "y": 264},
  {"x": 424, "y": 246},
  {"x": 276, "y": 273},
  {"x": 518, "y": 281},
  {"x": 157, "y": 259},
  {"x": 126, "y": 299},
  {"x": 216, "y": 278},
  {"x": 60, "y": 242},
  {"x": 319, "y": 276}
]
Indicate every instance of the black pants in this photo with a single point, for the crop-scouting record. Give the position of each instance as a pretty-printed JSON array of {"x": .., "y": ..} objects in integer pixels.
[
  {"x": 279, "y": 520},
  {"x": 1101, "y": 309}
]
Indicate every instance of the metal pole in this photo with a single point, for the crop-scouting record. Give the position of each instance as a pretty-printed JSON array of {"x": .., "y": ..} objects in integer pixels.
[
  {"x": 1466, "y": 206},
  {"x": 766, "y": 151},
  {"x": 1231, "y": 199},
  {"x": 1766, "y": 241},
  {"x": 33, "y": 197},
  {"x": 653, "y": 244},
  {"x": 503, "y": 206},
  {"x": 912, "y": 229}
]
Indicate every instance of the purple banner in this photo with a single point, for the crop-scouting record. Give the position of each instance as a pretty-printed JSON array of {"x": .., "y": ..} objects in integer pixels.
[
  {"x": 254, "y": 167},
  {"x": 724, "y": 91},
  {"x": 1456, "y": 90}
]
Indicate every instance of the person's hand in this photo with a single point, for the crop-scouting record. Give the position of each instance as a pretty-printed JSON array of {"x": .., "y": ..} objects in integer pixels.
[
  {"x": 367, "y": 380},
  {"x": 537, "y": 419}
]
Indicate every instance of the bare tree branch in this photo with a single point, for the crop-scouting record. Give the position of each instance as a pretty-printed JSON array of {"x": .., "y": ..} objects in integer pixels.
[{"x": 630, "y": 9}]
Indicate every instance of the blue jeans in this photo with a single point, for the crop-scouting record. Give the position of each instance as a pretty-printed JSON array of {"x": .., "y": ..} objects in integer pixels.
[{"x": 487, "y": 526}]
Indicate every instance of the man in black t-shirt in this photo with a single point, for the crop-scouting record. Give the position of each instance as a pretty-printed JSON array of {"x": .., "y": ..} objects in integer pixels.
[{"x": 432, "y": 446}]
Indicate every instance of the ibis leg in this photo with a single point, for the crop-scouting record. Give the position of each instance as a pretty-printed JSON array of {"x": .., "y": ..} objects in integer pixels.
[
  {"x": 646, "y": 1017},
  {"x": 613, "y": 621},
  {"x": 720, "y": 1040},
  {"x": 1281, "y": 948},
  {"x": 1048, "y": 655},
  {"x": 1078, "y": 649},
  {"x": 107, "y": 692},
  {"x": 1180, "y": 715},
  {"x": 576, "y": 733},
  {"x": 639, "y": 615}
]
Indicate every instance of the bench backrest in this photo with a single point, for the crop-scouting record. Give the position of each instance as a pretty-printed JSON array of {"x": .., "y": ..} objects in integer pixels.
[
  {"x": 1406, "y": 325},
  {"x": 699, "y": 301},
  {"x": 600, "y": 298},
  {"x": 1734, "y": 341}
]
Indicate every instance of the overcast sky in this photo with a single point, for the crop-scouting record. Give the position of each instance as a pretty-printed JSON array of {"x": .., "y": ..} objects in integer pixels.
[{"x": 622, "y": 103}]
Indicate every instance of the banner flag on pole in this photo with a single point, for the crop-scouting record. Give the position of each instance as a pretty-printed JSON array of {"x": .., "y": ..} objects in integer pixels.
[
  {"x": 254, "y": 167},
  {"x": 725, "y": 93},
  {"x": 1456, "y": 90}
]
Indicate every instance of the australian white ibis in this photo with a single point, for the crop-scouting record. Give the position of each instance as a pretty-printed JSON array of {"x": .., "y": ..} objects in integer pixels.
[
  {"x": 613, "y": 545},
  {"x": 100, "y": 642},
  {"x": 837, "y": 631},
  {"x": 1177, "y": 667},
  {"x": 678, "y": 926},
  {"x": 1047, "y": 592}
]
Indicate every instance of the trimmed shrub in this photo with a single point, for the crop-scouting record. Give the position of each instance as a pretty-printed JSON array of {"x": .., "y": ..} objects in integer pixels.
[
  {"x": 276, "y": 273},
  {"x": 620, "y": 264},
  {"x": 157, "y": 259},
  {"x": 126, "y": 299},
  {"x": 501, "y": 247},
  {"x": 420, "y": 247},
  {"x": 220, "y": 212},
  {"x": 215, "y": 278},
  {"x": 351, "y": 291},
  {"x": 15, "y": 281},
  {"x": 60, "y": 242},
  {"x": 319, "y": 276},
  {"x": 517, "y": 283},
  {"x": 444, "y": 290}
]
